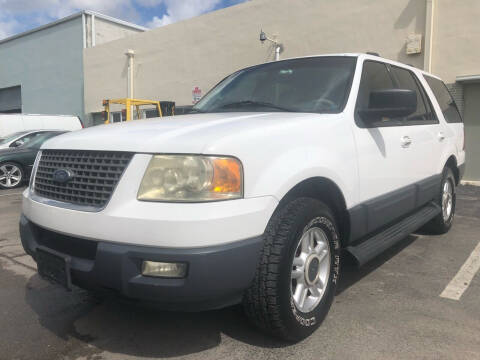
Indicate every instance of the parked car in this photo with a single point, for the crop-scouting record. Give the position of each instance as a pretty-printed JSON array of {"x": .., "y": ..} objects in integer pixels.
[
  {"x": 284, "y": 169},
  {"x": 16, "y": 163},
  {"x": 12, "y": 123},
  {"x": 20, "y": 138}
]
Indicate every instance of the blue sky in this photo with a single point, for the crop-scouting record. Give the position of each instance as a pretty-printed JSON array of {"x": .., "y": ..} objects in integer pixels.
[{"x": 21, "y": 15}]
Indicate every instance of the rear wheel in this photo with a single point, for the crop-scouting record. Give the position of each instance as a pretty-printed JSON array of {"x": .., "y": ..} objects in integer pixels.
[
  {"x": 446, "y": 199},
  {"x": 298, "y": 271},
  {"x": 11, "y": 175}
]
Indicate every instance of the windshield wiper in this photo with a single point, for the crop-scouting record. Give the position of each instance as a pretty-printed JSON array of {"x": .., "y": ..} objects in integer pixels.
[{"x": 254, "y": 103}]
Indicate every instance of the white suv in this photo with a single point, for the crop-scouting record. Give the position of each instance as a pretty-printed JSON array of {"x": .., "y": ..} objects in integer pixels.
[{"x": 253, "y": 197}]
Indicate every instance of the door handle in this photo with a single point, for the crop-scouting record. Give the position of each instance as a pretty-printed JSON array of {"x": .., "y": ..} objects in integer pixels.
[
  {"x": 405, "y": 141},
  {"x": 441, "y": 136}
]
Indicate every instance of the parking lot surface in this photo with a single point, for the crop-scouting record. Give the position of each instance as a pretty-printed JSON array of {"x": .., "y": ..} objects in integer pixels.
[{"x": 389, "y": 309}]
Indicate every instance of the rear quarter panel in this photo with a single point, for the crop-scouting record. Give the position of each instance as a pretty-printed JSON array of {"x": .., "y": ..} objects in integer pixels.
[{"x": 454, "y": 132}]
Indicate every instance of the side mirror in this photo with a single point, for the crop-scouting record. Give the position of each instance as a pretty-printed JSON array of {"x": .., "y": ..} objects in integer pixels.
[{"x": 390, "y": 103}]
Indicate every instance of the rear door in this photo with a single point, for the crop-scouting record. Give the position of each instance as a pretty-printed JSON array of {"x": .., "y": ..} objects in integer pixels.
[{"x": 424, "y": 131}]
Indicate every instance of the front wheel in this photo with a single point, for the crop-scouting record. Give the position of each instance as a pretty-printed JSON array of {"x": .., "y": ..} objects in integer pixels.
[
  {"x": 298, "y": 271},
  {"x": 11, "y": 175}
]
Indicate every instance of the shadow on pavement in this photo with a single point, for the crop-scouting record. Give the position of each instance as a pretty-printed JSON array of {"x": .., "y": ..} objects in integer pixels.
[
  {"x": 352, "y": 274},
  {"x": 124, "y": 327},
  {"x": 129, "y": 328}
]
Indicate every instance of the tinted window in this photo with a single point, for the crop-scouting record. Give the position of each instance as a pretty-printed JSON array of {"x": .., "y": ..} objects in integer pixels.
[
  {"x": 375, "y": 76},
  {"x": 445, "y": 100},
  {"x": 12, "y": 137},
  {"x": 406, "y": 80},
  {"x": 29, "y": 137},
  {"x": 319, "y": 85}
]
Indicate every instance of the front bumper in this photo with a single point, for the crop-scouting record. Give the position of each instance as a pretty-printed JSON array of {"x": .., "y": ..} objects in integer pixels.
[
  {"x": 217, "y": 276},
  {"x": 170, "y": 225}
]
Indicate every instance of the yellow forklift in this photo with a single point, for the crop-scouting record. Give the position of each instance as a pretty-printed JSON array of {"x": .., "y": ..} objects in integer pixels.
[{"x": 129, "y": 103}]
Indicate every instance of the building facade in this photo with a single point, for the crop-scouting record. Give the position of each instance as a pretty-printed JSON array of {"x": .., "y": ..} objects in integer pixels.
[
  {"x": 170, "y": 62},
  {"x": 71, "y": 65},
  {"x": 41, "y": 71}
]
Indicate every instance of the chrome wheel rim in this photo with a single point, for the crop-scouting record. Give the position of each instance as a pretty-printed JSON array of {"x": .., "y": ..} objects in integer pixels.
[
  {"x": 447, "y": 200},
  {"x": 10, "y": 175},
  {"x": 310, "y": 270}
]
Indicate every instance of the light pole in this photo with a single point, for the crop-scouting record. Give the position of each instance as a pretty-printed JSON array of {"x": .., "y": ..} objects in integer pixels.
[{"x": 278, "y": 46}]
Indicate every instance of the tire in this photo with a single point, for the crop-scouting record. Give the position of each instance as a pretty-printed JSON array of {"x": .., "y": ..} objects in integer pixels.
[
  {"x": 11, "y": 175},
  {"x": 270, "y": 303},
  {"x": 443, "y": 221}
]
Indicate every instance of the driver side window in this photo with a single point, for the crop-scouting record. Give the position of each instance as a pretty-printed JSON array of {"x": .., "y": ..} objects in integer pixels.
[{"x": 375, "y": 77}]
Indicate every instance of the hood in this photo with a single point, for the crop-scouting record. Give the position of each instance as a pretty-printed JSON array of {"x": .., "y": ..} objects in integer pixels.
[{"x": 195, "y": 133}]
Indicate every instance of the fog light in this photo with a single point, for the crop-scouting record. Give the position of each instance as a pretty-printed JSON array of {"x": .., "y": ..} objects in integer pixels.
[{"x": 163, "y": 269}]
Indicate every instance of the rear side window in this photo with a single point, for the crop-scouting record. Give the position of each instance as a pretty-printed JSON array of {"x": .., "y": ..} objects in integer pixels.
[
  {"x": 445, "y": 100},
  {"x": 406, "y": 80}
]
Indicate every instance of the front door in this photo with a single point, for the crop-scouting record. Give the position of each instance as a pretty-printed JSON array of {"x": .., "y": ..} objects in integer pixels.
[{"x": 389, "y": 153}]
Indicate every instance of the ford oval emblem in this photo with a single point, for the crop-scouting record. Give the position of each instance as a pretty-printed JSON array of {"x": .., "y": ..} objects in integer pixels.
[{"x": 63, "y": 176}]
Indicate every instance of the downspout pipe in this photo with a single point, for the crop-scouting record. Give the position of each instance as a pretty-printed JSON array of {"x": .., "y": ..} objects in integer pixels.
[
  {"x": 429, "y": 27},
  {"x": 84, "y": 34},
  {"x": 130, "y": 54},
  {"x": 93, "y": 31}
]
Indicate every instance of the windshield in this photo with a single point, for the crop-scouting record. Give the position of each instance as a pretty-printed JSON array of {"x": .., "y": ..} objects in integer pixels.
[
  {"x": 313, "y": 85},
  {"x": 12, "y": 137},
  {"x": 40, "y": 139}
]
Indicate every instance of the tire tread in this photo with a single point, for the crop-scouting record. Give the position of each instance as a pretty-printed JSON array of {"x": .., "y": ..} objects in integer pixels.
[{"x": 261, "y": 302}]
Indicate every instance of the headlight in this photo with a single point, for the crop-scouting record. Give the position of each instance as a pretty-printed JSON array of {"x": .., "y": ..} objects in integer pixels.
[{"x": 191, "y": 178}]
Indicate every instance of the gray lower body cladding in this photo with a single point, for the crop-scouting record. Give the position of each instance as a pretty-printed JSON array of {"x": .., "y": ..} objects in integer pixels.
[{"x": 217, "y": 276}]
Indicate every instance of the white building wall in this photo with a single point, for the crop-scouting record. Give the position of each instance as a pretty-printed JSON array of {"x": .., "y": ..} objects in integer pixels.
[
  {"x": 171, "y": 60},
  {"x": 106, "y": 31},
  {"x": 47, "y": 64}
]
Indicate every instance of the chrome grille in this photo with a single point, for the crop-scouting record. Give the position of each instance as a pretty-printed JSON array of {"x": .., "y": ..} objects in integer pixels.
[{"x": 95, "y": 176}]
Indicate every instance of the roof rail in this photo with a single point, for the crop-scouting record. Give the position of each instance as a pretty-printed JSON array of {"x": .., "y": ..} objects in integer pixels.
[{"x": 373, "y": 53}]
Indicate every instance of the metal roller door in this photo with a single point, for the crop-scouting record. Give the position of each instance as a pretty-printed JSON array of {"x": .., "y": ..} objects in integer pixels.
[{"x": 11, "y": 99}]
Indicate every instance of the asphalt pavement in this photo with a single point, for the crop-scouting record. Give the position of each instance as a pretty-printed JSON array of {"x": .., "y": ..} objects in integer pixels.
[{"x": 389, "y": 309}]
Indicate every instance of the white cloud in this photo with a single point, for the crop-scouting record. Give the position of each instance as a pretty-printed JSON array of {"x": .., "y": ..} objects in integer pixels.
[
  {"x": 20, "y": 15},
  {"x": 177, "y": 10},
  {"x": 60, "y": 8},
  {"x": 7, "y": 28},
  {"x": 39, "y": 12}
]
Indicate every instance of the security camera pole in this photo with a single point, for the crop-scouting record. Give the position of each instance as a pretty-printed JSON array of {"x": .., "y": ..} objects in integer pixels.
[{"x": 278, "y": 46}]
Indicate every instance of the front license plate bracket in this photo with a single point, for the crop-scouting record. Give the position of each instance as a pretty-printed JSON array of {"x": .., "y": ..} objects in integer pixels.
[{"x": 54, "y": 267}]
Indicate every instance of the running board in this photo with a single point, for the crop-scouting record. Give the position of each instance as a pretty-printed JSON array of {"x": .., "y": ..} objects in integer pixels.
[{"x": 370, "y": 248}]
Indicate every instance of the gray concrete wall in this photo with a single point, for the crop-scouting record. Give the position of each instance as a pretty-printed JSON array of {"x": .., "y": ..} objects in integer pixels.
[
  {"x": 106, "y": 31},
  {"x": 456, "y": 39},
  {"x": 48, "y": 66},
  {"x": 171, "y": 60}
]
